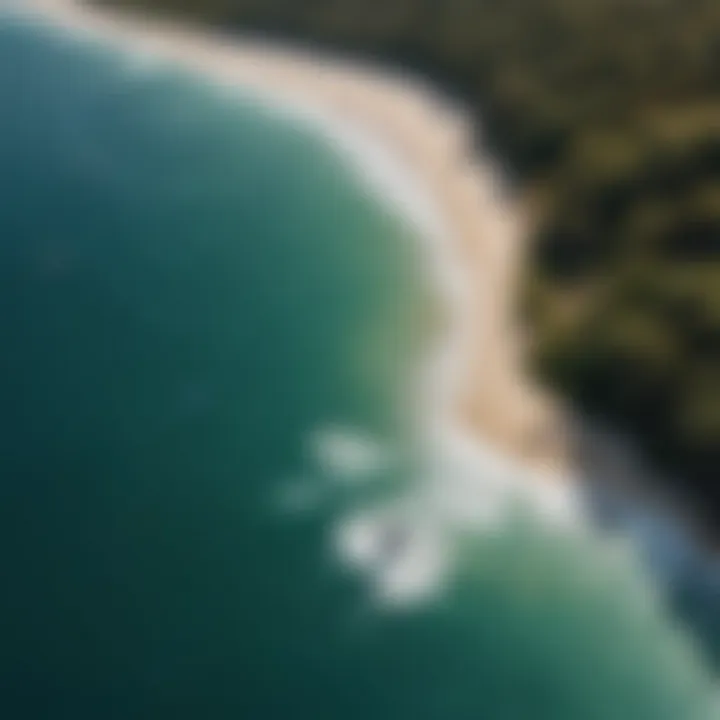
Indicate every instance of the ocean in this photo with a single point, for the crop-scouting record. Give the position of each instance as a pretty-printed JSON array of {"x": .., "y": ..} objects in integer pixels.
[{"x": 209, "y": 330}]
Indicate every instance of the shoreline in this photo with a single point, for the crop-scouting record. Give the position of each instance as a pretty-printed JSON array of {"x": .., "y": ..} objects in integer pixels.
[{"x": 412, "y": 148}]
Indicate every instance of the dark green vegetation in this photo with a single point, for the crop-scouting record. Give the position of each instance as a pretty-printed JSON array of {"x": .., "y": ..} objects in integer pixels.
[{"x": 608, "y": 114}]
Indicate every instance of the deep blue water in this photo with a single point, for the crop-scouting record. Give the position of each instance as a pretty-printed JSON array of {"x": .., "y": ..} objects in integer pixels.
[{"x": 189, "y": 288}]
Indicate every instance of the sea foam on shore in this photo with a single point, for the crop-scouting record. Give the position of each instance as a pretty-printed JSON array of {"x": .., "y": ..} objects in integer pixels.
[{"x": 465, "y": 482}]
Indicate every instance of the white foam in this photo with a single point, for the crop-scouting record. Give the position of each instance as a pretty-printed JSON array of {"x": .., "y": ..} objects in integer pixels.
[
  {"x": 347, "y": 454},
  {"x": 404, "y": 561}
]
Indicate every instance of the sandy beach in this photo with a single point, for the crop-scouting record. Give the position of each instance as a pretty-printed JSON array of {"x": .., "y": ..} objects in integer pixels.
[
  {"x": 412, "y": 147},
  {"x": 415, "y": 146}
]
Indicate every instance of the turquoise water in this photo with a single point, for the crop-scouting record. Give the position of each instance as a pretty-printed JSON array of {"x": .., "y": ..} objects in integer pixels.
[{"x": 191, "y": 289}]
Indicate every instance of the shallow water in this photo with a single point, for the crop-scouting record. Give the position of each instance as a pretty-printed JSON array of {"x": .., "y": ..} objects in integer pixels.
[{"x": 196, "y": 301}]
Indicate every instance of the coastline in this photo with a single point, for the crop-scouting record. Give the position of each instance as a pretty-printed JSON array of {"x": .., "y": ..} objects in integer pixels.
[{"x": 412, "y": 147}]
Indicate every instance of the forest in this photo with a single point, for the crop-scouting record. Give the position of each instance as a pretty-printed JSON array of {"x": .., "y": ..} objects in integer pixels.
[{"x": 607, "y": 114}]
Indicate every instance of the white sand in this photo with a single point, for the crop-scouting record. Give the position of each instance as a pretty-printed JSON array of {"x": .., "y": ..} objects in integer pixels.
[{"x": 414, "y": 145}]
